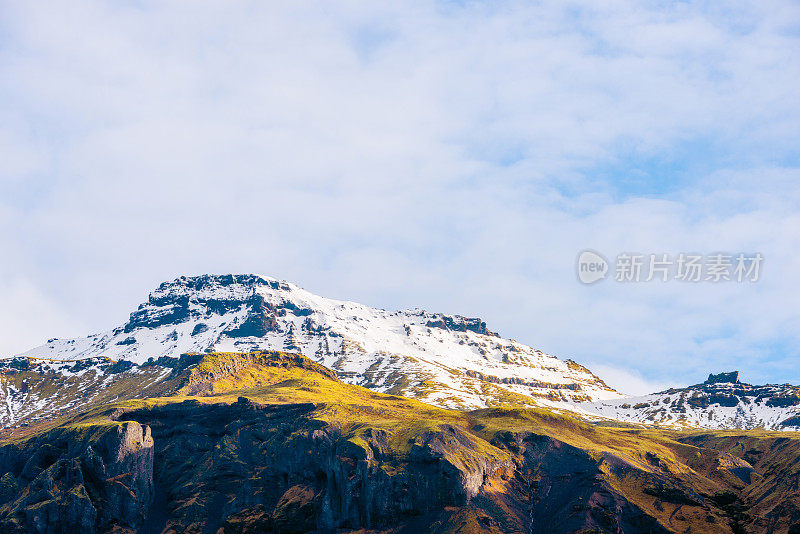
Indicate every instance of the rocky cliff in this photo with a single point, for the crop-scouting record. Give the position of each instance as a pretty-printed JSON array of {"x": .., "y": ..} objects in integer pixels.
[
  {"x": 78, "y": 479},
  {"x": 448, "y": 360},
  {"x": 721, "y": 402},
  {"x": 273, "y": 442}
]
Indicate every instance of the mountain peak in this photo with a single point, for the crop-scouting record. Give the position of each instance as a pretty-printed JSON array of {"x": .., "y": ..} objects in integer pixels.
[
  {"x": 449, "y": 360},
  {"x": 218, "y": 283},
  {"x": 722, "y": 401},
  {"x": 731, "y": 377}
]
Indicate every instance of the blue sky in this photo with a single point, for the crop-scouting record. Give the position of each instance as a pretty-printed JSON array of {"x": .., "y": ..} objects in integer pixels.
[{"x": 450, "y": 156}]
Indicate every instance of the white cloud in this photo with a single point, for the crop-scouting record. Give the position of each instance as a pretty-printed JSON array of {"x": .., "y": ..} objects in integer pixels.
[
  {"x": 28, "y": 317},
  {"x": 631, "y": 382},
  {"x": 445, "y": 156}
]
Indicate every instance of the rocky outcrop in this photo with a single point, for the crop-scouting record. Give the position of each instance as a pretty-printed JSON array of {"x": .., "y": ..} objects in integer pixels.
[
  {"x": 215, "y": 367},
  {"x": 530, "y": 383},
  {"x": 434, "y": 357},
  {"x": 33, "y": 390},
  {"x": 458, "y": 323},
  {"x": 261, "y": 318},
  {"x": 723, "y": 378},
  {"x": 64, "y": 481},
  {"x": 562, "y": 489},
  {"x": 720, "y": 402},
  {"x": 248, "y": 466},
  {"x": 276, "y": 467}
]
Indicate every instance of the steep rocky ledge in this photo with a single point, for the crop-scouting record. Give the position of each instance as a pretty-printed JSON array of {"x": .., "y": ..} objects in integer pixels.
[
  {"x": 434, "y": 357},
  {"x": 239, "y": 467},
  {"x": 274, "y": 467},
  {"x": 722, "y": 401},
  {"x": 78, "y": 479},
  {"x": 272, "y": 442}
]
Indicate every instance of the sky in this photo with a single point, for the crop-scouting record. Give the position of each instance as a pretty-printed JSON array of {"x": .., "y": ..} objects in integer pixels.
[{"x": 451, "y": 156}]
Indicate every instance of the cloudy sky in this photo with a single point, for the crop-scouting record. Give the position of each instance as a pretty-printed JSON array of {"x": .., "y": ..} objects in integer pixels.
[{"x": 453, "y": 156}]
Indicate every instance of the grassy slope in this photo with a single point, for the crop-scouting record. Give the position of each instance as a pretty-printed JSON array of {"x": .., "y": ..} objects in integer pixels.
[{"x": 637, "y": 463}]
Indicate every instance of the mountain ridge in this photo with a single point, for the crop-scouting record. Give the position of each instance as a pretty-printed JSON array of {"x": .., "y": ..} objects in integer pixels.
[
  {"x": 722, "y": 401},
  {"x": 448, "y": 360},
  {"x": 274, "y": 442}
]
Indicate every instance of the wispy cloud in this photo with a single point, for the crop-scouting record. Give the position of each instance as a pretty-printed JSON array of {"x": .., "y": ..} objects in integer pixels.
[{"x": 451, "y": 156}]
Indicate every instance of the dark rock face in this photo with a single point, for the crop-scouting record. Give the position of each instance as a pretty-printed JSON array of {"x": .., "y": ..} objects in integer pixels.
[
  {"x": 243, "y": 467},
  {"x": 64, "y": 484},
  {"x": 459, "y": 324},
  {"x": 705, "y": 400},
  {"x": 769, "y": 480},
  {"x": 249, "y": 467},
  {"x": 275, "y": 468},
  {"x": 515, "y": 380},
  {"x": 260, "y": 320},
  {"x": 552, "y": 481},
  {"x": 723, "y": 378},
  {"x": 178, "y": 301},
  {"x": 199, "y": 283},
  {"x": 784, "y": 400},
  {"x": 791, "y": 421},
  {"x": 199, "y": 328},
  {"x": 170, "y": 302},
  {"x": 164, "y": 311},
  {"x": 263, "y": 315},
  {"x": 58, "y": 496}
]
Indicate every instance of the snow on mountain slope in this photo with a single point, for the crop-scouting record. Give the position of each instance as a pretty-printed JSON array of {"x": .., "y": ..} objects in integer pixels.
[
  {"x": 721, "y": 402},
  {"x": 447, "y": 360},
  {"x": 33, "y": 390}
]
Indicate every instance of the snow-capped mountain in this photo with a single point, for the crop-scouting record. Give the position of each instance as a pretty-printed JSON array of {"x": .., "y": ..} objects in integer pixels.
[
  {"x": 447, "y": 360},
  {"x": 719, "y": 402},
  {"x": 33, "y": 390}
]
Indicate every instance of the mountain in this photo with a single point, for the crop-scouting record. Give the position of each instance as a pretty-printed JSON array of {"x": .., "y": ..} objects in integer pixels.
[
  {"x": 33, "y": 390},
  {"x": 722, "y": 401},
  {"x": 275, "y": 442},
  {"x": 446, "y": 360}
]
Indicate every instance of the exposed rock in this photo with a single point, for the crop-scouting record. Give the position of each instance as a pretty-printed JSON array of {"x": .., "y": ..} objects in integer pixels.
[
  {"x": 300, "y": 450},
  {"x": 296, "y": 510},
  {"x": 199, "y": 328},
  {"x": 434, "y": 357},
  {"x": 720, "y": 402},
  {"x": 388, "y": 465},
  {"x": 78, "y": 484},
  {"x": 57, "y": 501},
  {"x": 162, "y": 311},
  {"x": 459, "y": 324},
  {"x": 723, "y": 378}
]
